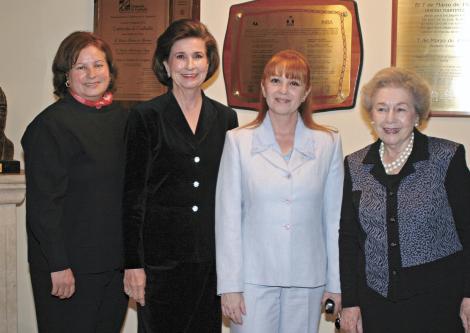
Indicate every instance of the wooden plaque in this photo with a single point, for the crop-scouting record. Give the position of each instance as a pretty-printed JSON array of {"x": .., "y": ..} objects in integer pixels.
[
  {"x": 327, "y": 32},
  {"x": 131, "y": 27}
]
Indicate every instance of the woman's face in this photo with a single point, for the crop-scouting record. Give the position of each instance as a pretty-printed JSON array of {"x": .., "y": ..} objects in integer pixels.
[
  {"x": 187, "y": 64},
  {"x": 393, "y": 116},
  {"x": 89, "y": 77},
  {"x": 283, "y": 95}
]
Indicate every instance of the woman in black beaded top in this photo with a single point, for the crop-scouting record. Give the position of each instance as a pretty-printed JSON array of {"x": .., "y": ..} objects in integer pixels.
[{"x": 405, "y": 220}]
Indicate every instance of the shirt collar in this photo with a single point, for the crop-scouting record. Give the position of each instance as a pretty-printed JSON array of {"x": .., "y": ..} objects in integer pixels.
[{"x": 263, "y": 138}]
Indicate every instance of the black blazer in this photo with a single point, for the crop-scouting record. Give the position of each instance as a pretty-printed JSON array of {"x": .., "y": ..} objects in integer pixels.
[
  {"x": 74, "y": 158},
  {"x": 170, "y": 179}
]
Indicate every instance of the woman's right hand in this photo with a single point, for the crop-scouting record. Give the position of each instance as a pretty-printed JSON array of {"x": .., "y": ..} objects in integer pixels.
[
  {"x": 63, "y": 283},
  {"x": 233, "y": 307},
  {"x": 134, "y": 284},
  {"x": 351, "y": 320}
]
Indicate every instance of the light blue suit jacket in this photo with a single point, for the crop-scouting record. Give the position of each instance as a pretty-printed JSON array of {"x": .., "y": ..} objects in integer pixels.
[{"x": 277, "y": 221}]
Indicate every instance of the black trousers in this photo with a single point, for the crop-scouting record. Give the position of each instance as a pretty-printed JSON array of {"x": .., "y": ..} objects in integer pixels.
[
  {"x": 98, "y": 305},
  {"x": 436, "y": 311},
  {"x": 180, "y": 299}
]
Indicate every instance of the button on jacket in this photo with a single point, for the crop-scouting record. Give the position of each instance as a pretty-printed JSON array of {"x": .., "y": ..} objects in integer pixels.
[
  {"x": 170, "y": 182},
  {"x": 276, "y": 220}
]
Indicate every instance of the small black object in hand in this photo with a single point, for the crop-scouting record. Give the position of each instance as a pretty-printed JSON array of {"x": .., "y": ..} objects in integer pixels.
[
  {"x": 338, "y": 323},
  {"x": 329, "y": 306}
]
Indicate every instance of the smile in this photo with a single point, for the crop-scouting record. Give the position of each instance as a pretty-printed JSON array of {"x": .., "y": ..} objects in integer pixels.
[
  {"x": 391, "y": 130},
  {"x": 282, "y": 100}
]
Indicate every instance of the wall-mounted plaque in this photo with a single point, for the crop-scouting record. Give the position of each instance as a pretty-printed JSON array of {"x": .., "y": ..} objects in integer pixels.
[
  {"x": 326, "y": 31},
  {"x": 131, "y": 27},
  {"x": 432, "y": 38}
]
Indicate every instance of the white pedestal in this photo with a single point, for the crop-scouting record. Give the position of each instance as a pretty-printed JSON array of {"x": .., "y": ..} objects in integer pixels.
[{"x": 12, "y": 192}]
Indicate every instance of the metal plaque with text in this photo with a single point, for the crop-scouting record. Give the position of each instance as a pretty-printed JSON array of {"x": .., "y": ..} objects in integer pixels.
[
  {"x": 432, "y": 37},
  {"x": 326, "y": 32}
]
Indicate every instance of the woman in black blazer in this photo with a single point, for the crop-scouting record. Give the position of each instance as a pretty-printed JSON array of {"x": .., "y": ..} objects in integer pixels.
[{"x": 174, "y": 145}]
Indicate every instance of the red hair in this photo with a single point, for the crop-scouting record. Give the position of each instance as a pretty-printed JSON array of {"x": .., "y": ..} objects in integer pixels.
[{"x": 293, "y": 65}]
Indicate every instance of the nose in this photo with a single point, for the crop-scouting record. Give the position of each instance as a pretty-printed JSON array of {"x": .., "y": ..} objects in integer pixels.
[
  {"x": 284, "y": 87},
  {"x": 190, "y": 63},
  {"x": 390, "y": 115},
  {"x": 91, "y": 72}
]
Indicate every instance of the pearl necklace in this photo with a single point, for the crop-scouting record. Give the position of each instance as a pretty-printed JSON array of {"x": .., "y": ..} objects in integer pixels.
[{"x": 389, "y": 167}]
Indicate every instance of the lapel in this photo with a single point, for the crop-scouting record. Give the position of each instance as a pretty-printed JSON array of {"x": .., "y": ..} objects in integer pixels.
[
  {"x": 175, "y": 117},
  {"x": 207, "y": 119},
  {"x": 265, "y": 144}
]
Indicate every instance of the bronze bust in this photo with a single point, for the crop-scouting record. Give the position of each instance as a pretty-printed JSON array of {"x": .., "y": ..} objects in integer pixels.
[{"x": 6, "y": 146}]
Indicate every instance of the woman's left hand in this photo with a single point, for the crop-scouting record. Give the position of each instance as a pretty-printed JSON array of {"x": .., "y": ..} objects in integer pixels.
[
  {"x": 335, "y": 297},
  {"x": 233, "y": 307},
  {"x": 465, "y": 314}
]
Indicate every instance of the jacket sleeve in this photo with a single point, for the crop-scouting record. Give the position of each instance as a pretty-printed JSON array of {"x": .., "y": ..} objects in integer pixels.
[
  {"x": 47, "y": 161},
  {"x": 228, "y": 215},
  {"x": 138, "y": 161},
  {"x": 348, "y": 245},
  {"x": 233, "y": 120},
  {"x": 332, "y": 209},
  {"x": 458, "y": 191}
]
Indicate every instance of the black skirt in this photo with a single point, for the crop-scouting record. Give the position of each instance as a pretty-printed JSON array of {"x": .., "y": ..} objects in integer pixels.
[{"x": 436, "y": 311}]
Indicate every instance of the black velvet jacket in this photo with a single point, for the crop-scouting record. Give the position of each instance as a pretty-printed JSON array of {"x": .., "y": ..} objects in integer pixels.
[{"x": 170, "y": 179}]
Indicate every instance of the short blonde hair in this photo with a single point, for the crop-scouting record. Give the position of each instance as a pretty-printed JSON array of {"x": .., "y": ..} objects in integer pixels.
[{"x": 396, "y": 77}]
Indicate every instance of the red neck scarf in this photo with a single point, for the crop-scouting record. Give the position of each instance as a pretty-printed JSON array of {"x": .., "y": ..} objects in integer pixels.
[{"x": 106, "y": 99}]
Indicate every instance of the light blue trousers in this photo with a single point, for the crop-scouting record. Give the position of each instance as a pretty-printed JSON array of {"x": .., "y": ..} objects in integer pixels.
[{"x": 280, "y": 310}]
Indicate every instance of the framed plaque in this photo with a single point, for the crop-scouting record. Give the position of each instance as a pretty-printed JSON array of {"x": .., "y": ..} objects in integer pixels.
[
  {"x": 131, "y": 27},
  {"x": 327, "y": 32},
  {"x": 431, "y": 37}
]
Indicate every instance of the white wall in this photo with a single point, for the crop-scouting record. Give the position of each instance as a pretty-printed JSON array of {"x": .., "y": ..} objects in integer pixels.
[{"x": 31, "y": 30}]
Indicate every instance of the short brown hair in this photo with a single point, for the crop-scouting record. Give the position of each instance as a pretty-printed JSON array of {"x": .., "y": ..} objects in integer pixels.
[
  {"x": 396, "y": 77},
  {"x": 178, "y": 30},
  {"x": 293, "y": 65},
  {"x": 67, "y": 56}
]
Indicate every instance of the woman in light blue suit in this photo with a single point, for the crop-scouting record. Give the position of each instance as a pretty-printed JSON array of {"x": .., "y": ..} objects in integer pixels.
[{"x": 278, "y": 205}]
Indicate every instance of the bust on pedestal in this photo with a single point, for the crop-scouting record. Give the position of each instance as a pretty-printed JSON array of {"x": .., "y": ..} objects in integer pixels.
[
  {"x": 7, "y": 164},
  {"x": 12, "y": 192}
]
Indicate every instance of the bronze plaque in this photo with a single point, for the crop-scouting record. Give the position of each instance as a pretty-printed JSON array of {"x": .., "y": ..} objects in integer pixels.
[
  {"x": 327, "y": 32},
  {"x": 432, "y": 38},
  {"x": 131, "y": 27}
]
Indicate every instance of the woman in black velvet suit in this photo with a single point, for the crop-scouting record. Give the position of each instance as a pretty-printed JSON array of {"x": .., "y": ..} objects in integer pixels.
[{"x": 174, "y": 145}]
